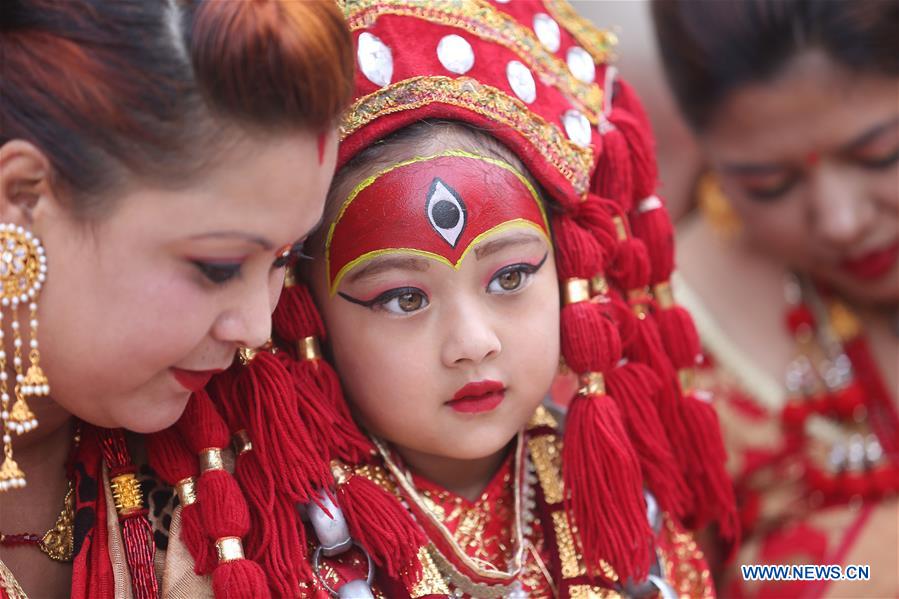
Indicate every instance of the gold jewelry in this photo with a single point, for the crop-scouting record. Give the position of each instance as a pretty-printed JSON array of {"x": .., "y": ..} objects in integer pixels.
[
  {"x": 23, "y": 271},
  {"x": 59, "y": 542},
  {"x": 715, "y": 207}
]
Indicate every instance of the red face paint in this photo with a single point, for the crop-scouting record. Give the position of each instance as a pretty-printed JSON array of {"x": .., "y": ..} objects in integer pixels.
[
  {"x": 322, "y": 141},
  {"x": 437, "y": 207}
]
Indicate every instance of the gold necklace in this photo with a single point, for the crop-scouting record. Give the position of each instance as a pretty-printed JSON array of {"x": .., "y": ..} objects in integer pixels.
[
  {"x": 59, "y": 542},
  {"x": 506, "y": 582}
]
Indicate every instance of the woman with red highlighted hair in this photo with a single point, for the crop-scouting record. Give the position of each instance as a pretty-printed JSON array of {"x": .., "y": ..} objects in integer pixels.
[
  {"x": 160, "y": 165},
  {"x": 495, "y": 208}
]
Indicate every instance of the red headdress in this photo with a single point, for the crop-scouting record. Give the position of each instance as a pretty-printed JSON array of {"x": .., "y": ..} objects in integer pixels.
[{"x": 535, "y": 75}]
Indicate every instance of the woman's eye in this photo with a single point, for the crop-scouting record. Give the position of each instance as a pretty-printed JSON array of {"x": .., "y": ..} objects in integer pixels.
[
  {"x": 290, "y": 257},
  {"x": 879, "y": 162},
  {"x": 218, "y": 273},
  {"x": 771, "y": 192},
  {"x": 405, "y": 303}
]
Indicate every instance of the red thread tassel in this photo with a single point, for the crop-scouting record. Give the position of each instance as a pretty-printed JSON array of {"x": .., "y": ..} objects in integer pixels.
[
  {"x": 633, "y": 386},
  {"x": 173, "y": 461},
  {"x": 380, "y": 524},
  {"x": 239, "y": 579}
]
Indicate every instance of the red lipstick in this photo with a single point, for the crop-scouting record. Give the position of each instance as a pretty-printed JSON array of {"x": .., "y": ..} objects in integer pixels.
[
  {"x": 872, "y": 265},
  {"x": 482, "y": 396},
  {"x": 193, "y": 380}
]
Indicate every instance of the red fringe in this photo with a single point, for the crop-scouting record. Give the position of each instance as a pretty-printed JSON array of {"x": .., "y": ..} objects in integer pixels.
[
  {"x": 137, "y": 536},
  {"x": 239, "y": 579},
  {"x": 380, "y": 524},
  {"x": 280, "y": 436},
  {"x": 633, "y": 387},
  {"x": 605, "y": 493}
]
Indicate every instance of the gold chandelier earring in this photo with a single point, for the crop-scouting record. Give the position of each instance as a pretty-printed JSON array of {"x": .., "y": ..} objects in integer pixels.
[{"x": 23, "y": 271}]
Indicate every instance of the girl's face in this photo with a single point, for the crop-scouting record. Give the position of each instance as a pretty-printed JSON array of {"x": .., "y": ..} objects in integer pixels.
[
  {"x": 440, "y": 299},
  {"x": 140, "y": 306},
  {"x": 810, "y": 162}
]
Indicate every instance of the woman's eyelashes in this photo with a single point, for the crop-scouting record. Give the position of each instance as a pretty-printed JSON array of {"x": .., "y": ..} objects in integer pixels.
[{"x": 216, "y": 272}]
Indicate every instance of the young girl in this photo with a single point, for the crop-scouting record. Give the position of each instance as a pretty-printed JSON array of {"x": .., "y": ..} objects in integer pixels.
[{"x": 448, "y": 248}]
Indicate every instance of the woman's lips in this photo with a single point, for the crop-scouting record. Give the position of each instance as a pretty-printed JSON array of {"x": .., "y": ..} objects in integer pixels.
[
  {"x": 193, "y": 380},
  {"x": 872, "y": 265},
  {"x": 482, "y": 396}
]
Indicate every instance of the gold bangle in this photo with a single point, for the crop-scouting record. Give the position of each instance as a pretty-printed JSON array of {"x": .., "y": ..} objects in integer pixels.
[
  {"x": 228, "y": 549},
  {"x": 592, "y": 383},
  {"x": 211, "y": 459},
  {"x": 187, "y": 490},
  {"x": 309, "y": 349},
  {"x": 241, "y": 441},
  {"x": 575, "y": 290},
  {"x": 664, "y": 295},
  {"x": 126, "y": 494}
]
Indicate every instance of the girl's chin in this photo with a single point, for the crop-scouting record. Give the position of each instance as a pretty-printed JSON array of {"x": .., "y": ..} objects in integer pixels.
[{"x": 154, "y": 416}]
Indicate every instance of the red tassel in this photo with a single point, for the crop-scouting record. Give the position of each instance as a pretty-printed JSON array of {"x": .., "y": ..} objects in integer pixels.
[
  {"x": 644, "y": 173},
  {"x": 716, "y": 500},
  {"x": 594, "y": 215},
  {"x": 239, "y": 579},
  {"x": 605, "y": 498},
  {"x": 380, "y": 524},
  {"x": 173, "y": 461},
  {"x": 654, "y": 228},
  {"x": 633, "y": 386},
  {"x": 222, "y": 507},
  {"x": 296, "y": 316},
  {"x": 631, "y": 266},
  {"x": 679, "y": 337},
  {"x": 280, "y": 436},
  {"x": 614, "y": 172},
  {"x": 201, "y": 426}
]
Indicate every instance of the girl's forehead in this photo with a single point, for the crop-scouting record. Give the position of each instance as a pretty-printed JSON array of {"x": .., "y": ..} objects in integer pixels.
[{"x": 441, "y": 207}]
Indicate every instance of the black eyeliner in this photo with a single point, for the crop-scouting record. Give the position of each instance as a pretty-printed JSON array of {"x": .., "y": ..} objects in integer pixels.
[{"x": 384, "y": 297}]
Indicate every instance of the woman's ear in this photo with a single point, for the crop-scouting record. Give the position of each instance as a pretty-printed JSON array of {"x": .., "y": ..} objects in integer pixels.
[{"x": 25, "y": 182}]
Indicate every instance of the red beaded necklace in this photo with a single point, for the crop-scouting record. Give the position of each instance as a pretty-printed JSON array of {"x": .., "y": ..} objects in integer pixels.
[{"x": 835, "y": 378}]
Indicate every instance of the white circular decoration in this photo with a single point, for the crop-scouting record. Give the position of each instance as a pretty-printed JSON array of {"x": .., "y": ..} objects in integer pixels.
[
  {"x": 577, "y": 127},
  {"x": 522, "y": 81},
  {"x": 547, "y": 31},
  {"x": 455, "y": 54},
  {"x": 581, "y": 64},
  {"x": 375, "y": 59}
]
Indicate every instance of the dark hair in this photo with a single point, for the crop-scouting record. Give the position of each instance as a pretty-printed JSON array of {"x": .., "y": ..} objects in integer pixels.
[
  {"x": 114, "y": 88},
  {"x": 711, "y": 47}
]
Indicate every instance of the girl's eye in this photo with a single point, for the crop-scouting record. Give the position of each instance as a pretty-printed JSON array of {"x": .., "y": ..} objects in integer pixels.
[
  {"x": 218, "y": 273},
  {"x": 402, "y": 300},
  {"x": 405, "y": 303},
  {"x": 510, "y": 281},
  {"x": 514, "y": 277}
]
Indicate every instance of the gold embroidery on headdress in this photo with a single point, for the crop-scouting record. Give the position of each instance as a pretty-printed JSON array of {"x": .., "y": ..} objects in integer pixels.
[
  {"x": 488, "y": 23},
  {"x": 573, "y": 162}
]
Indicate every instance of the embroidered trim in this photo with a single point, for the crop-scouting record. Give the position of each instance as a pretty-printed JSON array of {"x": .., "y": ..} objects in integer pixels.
[
  {"x": 547, "y": 458},
  {"x": 586, "y": 591},
  {"x": 484, "y": 21},
  {"x": 572, "y": 161},
  {"x": 598, "y": 42}
]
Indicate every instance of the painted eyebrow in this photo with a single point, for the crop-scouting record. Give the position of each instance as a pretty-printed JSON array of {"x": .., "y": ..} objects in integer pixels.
[
  {"x": 491, "y": 247},
  {"x": 260, "y": 241},
  {"x": 870, "y": 135},
  {"x": 389, "y": 263}
]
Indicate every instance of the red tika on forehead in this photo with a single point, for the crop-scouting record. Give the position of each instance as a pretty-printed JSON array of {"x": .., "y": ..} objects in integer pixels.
[{"x": 438, "y": 207}]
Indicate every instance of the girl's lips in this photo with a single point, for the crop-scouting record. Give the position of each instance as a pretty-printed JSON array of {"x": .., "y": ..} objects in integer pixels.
[
  {"x": 872, "y": 265},
  {"x": 482, "y": 396},
  {"x": 193, "y": 380}
]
